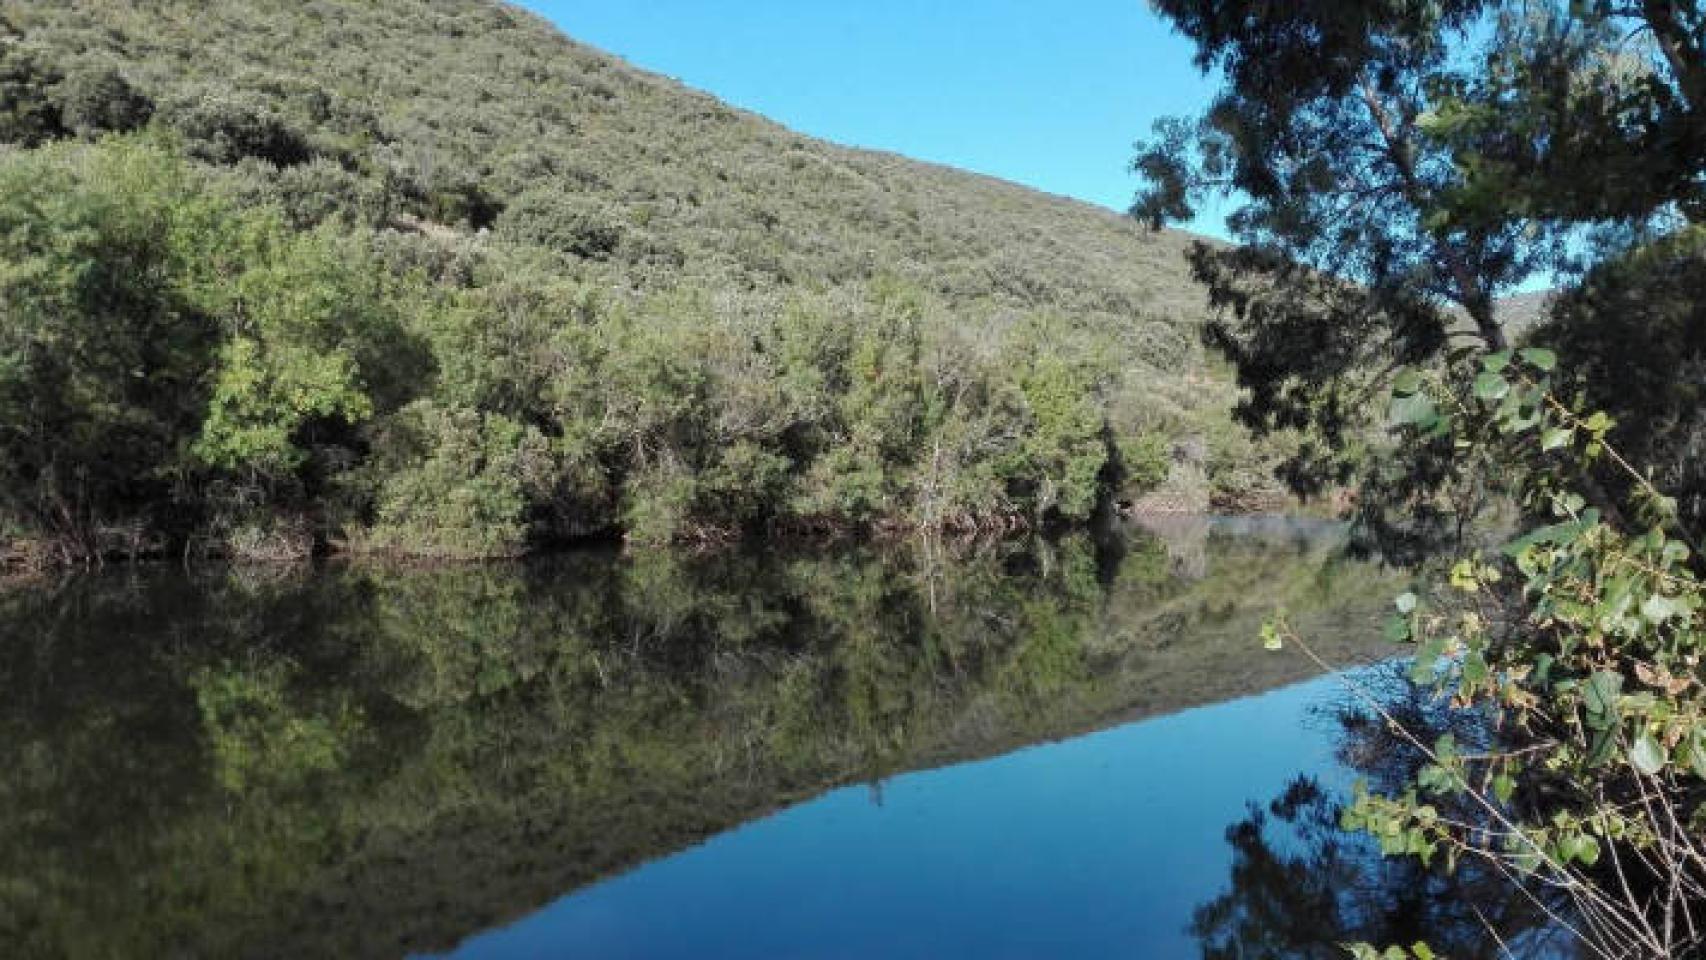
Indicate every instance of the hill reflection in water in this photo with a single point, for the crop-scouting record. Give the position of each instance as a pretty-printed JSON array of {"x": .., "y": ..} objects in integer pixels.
[{"x": 355, "y": 761}]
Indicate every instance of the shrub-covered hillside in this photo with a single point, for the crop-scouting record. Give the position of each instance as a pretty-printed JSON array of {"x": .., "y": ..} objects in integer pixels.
[{"x": 426, "y": 276}]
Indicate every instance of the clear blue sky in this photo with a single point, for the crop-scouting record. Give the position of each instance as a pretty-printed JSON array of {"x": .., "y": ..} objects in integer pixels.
[{"x": 1045, "y": 94}]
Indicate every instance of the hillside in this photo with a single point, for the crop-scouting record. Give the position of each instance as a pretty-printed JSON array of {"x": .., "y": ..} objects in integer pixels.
[{"x": 498, "y": 169}]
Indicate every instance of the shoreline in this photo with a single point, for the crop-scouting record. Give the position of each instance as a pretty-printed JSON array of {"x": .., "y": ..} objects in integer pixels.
[{"x": 25, "y": 557}]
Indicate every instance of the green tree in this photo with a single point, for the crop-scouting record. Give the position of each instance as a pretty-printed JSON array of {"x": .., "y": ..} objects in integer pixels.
[
  {"x": 1400, "y": 166},
  {"x": 1633, "y": 336},
  {"x": 104, "y": 341},
  {"x": 315, "y": 344}
]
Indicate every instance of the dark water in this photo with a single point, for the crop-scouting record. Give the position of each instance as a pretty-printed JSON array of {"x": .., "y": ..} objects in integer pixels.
[{"x": 1043, "y": 749}]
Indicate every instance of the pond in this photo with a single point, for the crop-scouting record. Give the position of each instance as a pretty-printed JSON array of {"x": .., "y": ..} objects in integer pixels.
[{"x": 1047, "y": 748}]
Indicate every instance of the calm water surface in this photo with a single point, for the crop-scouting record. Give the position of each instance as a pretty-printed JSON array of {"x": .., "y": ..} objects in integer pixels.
[{"x": 1041, "y": 749}]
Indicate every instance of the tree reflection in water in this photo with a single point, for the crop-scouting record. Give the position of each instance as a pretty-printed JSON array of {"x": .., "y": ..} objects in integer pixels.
[
  {"x": 1301, "y": 886},
  {"x": 360, "y": 761}
]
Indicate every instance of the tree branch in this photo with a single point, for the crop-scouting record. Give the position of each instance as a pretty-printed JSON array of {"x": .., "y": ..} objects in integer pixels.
[{"x": 1470, "y": 291}]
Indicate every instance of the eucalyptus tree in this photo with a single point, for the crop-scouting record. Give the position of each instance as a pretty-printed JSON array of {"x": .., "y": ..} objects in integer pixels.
[
  {"x": 1399, "y": 166},
  {"x": 1402, "y": 165}
]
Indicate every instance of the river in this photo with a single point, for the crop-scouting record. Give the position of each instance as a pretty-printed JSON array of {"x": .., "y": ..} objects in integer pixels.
[{"x": 1072, "y": 747}]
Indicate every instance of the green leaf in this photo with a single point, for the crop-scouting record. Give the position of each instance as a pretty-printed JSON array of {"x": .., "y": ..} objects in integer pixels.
[
  {"x": 1696, "y": 751},
  {"x": 1646, "y": 755},
  {"x": 1602, "y": 745},
  {"x": 1427, "y": 660},
  {"x": 1556, "y": 533},
  {"x": 1491, "y": 386},
  {"x": 1540, "y": 358},
  {"x": 1474, "y": 669},
  {"x": 1396, "y": 629},
  {"x": 1600, "y": 693},
  {"x": 1415, "y": 409},
  {"x": 1660, "y": 608},
  {"x": 1463, "y": 576},
  {"x": 1587, "y": 850},
  {"x": 1503, "y": 787},
  {"x": 1496, "y": 362},
  {"x": 1407, "y": 382},
  {"x": 1555, "y": 437},
  {"x": 1446, "y": 747}
]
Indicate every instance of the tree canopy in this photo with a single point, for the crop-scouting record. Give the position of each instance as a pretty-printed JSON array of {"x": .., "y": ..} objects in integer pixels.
[{"x": 1400, "y": 167}]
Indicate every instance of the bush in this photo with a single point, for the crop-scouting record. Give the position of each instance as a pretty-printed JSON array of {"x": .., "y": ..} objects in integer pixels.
[
  {"x": 1144, "y": 461},
  {"x": 1059, "y": 466},
  {"x": 99, "y": 100},
  {"x": 463, "y": 484},
  {"x": 224, "y": 128},
  {"x": 564, "y": 222},
  {"x": 320, "y": 349},
  {"x": 29, "y": 112},
  {"x": 317, "y": 191},
  {"x": 104, "y": 344}
]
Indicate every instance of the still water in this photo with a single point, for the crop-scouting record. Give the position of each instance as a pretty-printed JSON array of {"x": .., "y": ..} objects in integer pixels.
[{"x": 1068, "y": 748}]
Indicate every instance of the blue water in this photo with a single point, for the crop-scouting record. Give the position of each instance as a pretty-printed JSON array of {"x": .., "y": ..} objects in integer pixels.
[
  {"x": 522, "y": 761},
  {"x": 1098, "y": 846}
]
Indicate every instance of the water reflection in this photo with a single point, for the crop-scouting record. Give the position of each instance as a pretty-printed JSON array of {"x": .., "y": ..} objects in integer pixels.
[
  {"x": 368, "y": 762},
  {"x": 1299, "y": 886},
  {"x": 1100, "y": 846}
]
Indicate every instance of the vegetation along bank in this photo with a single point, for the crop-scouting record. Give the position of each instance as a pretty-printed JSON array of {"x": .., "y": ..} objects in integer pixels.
[{"x": 464, "y": 288}]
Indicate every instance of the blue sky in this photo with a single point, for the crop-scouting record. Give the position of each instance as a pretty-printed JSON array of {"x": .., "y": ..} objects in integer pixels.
[{"x": 1049, "y": 95}]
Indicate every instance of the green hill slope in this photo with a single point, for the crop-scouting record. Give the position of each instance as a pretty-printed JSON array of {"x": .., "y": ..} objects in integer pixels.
[{"x": 618, "y": 303}]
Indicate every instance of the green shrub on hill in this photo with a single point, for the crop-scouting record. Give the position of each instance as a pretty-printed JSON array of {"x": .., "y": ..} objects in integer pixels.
[{"x": 425, "y": 276}]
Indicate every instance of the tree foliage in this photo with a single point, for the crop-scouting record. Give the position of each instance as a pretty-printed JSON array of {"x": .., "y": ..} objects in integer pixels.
[
  {"x": 1576, "y": 648},
  {"x": 1401, "y": 166},
  {"x": 105, "y": 343},
  {"x": 469, "y": 266}
]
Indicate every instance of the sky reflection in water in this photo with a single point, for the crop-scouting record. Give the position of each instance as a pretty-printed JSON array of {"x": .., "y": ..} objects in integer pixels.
[{"x": 1101, "y": 845}]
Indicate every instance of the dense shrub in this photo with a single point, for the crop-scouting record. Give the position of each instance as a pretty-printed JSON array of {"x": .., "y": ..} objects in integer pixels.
[
  {"x": 321, "y": 189},
  {"x": 257, "y": 382},
  {"x": 464, "y": 484},
  {"x": 226, "y": 127},
  {"x": 29, "y": 113},
  {"x": 316, "y": 347},
  {"x": 683, "y": 322},
  {"x": 104, "y": 343},
  {"x": 100, "y": 100},
  {"x": 565, "y": 222}
]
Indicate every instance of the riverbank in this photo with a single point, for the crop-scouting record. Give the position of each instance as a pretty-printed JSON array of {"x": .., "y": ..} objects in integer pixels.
[{"x": 296, "y": 545}]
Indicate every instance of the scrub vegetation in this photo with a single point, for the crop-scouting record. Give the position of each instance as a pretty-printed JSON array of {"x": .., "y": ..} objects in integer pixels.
[{"x": 425, "y": 277}]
